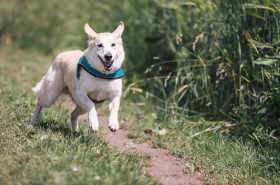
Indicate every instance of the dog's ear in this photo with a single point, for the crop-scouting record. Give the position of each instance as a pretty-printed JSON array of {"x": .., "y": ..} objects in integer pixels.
[
  {"x": 119, "y": 30},
  {"x": 91, "y": 34}
]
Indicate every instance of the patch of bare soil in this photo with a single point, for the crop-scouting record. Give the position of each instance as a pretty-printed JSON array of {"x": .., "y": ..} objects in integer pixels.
[{"x": 165, "y": 166}]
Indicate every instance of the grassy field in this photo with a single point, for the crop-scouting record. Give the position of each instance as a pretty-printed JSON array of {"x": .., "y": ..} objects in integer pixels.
[
  {"x": 50, "y": 153},
  {"x": 205, "y": 71}
]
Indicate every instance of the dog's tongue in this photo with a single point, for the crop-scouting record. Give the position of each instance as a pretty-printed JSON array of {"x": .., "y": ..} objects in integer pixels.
[{"x": 108, "y": 64}]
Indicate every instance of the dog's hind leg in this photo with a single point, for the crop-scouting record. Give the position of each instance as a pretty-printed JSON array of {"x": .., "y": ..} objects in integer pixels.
[
  {"x": 74, "y": 117},
  {"x": 36, "y": 117},
  {"x": 48, "y": 90}
]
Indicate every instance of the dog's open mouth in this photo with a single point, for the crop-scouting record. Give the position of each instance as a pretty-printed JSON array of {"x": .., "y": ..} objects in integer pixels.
[{"x": 107, "y": 65}]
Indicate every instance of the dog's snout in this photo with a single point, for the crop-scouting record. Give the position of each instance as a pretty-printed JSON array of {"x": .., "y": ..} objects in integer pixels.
[{"x": 108, "y": 56}]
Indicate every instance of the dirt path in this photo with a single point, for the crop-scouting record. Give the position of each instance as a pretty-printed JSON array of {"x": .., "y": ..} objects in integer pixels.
[{"x": 168, "y": 168}]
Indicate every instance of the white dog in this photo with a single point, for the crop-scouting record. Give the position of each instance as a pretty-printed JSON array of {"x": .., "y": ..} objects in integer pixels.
[{"x": 96, "y": 78}]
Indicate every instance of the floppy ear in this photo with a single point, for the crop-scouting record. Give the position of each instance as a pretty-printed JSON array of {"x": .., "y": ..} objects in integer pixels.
[
  {"x": 91, "y": 34},
  {"x": 119, "y": 30}
]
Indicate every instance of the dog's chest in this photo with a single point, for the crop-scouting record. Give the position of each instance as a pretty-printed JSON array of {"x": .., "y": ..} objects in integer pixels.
[{"x": 105, "y": 89}]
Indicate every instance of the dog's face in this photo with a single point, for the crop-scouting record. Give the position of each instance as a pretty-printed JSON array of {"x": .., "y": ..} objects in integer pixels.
[{"x": 105, "y": 51}]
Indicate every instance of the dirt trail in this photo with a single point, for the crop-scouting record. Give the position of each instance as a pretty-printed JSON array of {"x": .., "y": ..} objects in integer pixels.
[{"x": 168, "y": 168}]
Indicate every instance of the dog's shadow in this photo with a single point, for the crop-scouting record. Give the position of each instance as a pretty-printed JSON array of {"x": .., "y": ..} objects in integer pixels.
[{"x": 57, "y": 127}]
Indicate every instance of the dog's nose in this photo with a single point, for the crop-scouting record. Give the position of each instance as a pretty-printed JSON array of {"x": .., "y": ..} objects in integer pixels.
[{"x": 108, "y": 56}]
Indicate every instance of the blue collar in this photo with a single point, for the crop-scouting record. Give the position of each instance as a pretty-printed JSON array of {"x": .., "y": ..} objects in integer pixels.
[{"x": 84, "y": 63}]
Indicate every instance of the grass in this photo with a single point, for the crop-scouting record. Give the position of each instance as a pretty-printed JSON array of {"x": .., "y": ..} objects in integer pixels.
[
  {"x": 217, "y": 153},
  {"x": 50, "y": 153},
  {"x": 215, "y": 60}
]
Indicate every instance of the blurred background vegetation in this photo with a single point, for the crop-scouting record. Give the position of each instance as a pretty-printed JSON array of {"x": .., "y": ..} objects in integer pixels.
[{"x": 202, "y": 60}]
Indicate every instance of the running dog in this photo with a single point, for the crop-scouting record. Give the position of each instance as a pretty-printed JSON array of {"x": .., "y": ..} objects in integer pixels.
[{"x": 89, "y": 77}]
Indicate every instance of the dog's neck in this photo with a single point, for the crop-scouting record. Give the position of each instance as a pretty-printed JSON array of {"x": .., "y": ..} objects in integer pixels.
[{"x": 83, "y": 62}]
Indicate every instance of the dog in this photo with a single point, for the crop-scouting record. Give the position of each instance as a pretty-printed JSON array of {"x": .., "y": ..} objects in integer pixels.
[{"x": 89, "y": 77}]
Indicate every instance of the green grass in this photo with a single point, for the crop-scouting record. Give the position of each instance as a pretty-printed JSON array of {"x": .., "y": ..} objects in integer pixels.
[
  {"x": 50, "y": 153},
  {"x": 206, "y": 59},
  {"x": 217, "y": 153}
]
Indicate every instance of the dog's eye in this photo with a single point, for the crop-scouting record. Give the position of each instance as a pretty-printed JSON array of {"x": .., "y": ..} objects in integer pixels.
[
  {"x": 113, "y": 44},
  {"x": 100, "y": 45}
]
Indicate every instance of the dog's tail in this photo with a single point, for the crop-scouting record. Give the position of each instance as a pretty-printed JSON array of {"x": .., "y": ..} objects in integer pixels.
[{"x": 38, "y": 86}]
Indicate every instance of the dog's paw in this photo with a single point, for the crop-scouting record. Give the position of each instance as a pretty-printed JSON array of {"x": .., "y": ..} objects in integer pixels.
[
  {"x": 93, "y": 123},
  {"x": 75, "y": 127},
  {"x": 34, "y": 121},
  {"x": 75, "y": 124},
  {"x": 113, "y": 125}
]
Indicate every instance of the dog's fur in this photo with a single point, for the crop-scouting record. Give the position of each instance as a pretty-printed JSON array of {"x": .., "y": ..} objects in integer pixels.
[{"x": 61, "y": 78}]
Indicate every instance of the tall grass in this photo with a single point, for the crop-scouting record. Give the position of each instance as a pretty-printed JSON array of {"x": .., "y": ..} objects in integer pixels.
[
  {"x": 215, "y": 61},
  {"x": 224, "y": 58}
]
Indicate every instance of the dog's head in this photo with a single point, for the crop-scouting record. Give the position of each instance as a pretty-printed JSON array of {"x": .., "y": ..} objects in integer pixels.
[{"x": 105, "y": 51}]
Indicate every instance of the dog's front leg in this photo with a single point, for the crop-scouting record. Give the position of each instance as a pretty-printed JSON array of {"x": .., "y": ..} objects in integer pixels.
[
  {"x": 114, "y": 105},
  {"x": 83, "y": 101}
]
